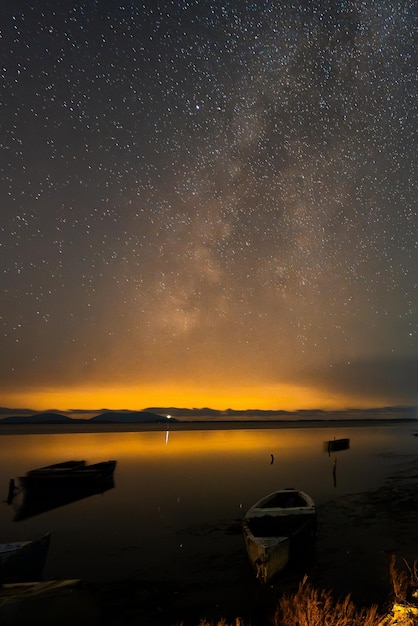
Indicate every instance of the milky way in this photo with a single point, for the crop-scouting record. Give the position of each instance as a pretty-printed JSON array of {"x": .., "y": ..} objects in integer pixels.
[{"x": 208, "y": 193}]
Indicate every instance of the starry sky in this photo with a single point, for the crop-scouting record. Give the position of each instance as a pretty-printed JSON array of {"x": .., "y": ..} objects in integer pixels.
[{"x": 208, "y": 203}]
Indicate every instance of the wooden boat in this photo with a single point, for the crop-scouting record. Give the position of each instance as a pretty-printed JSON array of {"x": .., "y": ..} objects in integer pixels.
[
  {"x": 23, "y": 561},
  {"x": 67, "y": 475},
  {"x": 336, "y": 445},
  {"x": 274, "y": 526}
]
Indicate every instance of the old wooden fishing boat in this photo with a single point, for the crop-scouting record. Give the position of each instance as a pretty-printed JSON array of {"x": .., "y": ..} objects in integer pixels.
[
  {"x": 23, "y": 561},
  {"x": 274, "y": 526},
  {"x": 67, "y": 475}
]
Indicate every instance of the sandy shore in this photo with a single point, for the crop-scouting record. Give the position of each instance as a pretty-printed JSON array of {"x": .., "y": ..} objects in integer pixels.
[{"x": 357, "y": 536}]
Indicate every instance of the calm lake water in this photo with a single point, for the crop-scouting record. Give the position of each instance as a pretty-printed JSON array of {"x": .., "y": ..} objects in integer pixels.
[{"x": 178, "y": 496}]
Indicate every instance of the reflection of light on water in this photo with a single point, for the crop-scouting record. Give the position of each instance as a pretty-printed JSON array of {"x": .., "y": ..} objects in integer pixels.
[
  {"x": 24, "y": 452},
  {"x": 42, "y": 449},
  {"x": 166, "y": 432}
]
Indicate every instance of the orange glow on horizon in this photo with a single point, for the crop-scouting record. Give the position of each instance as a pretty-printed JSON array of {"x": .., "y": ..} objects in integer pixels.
[{"x": 283, "y": 397}]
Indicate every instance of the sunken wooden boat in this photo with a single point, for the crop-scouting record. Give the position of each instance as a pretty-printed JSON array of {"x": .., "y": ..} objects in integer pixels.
[
  {"x": 23, "y": 561},
  {"x": 70, "y": 475},
  {"x": 273, "y": 528}
]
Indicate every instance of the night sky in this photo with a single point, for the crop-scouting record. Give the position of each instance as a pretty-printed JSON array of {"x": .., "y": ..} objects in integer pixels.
[{"x": 208, "y": 203}]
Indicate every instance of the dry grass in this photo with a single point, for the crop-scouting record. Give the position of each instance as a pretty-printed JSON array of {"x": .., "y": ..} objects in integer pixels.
[
  {"x": 310, "y": 607},
  {"x": 404, "y": 582}
]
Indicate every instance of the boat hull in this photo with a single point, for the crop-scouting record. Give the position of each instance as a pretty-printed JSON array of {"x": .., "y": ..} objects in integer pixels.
[
  {"x": 267, "y": 555},
  {"x": 23, "y": 561},
  {"x": 57, "y": 480},
  {"x": 337, "y": 445},
  {"x": 275, "y": 528}
]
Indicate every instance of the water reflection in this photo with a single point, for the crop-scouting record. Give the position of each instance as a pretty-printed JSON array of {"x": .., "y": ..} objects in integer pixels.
[
  {"x": 47, "y": 449},
  {"x": 28, "y": 503},
  {"x": 334, "y": 472},
  {"x": 178, "y": 491}
]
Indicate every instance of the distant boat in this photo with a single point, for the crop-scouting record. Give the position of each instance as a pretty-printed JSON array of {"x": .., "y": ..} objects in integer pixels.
[
  {"x": 67, "y": 475},
  {"x": 336, "y": 445},
  {"x": 23, "y": 561},
  {"x": 274, "y": 526}
]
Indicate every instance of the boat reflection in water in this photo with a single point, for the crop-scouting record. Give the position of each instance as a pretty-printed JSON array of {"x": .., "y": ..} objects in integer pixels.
[{"x": 54, "y": 486}]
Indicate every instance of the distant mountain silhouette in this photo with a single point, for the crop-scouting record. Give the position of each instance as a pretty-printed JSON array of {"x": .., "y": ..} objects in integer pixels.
[
  {"x": 159, "y": 415},
  {"x": 38, "y": 418},
  {"x": 5, "y": 411},
  {"x": 109, "y": 417}
]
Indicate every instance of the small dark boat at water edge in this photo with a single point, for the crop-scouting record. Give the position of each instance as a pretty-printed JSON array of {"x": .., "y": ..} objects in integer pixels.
[
  {"x": 67, "y": 475},
  {"x": 23, "y": 561}
]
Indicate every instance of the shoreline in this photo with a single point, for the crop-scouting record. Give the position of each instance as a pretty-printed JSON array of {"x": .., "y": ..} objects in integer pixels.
[
  {"x": 356, "y": 539},
  {"x": 192, "y": 425}
]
